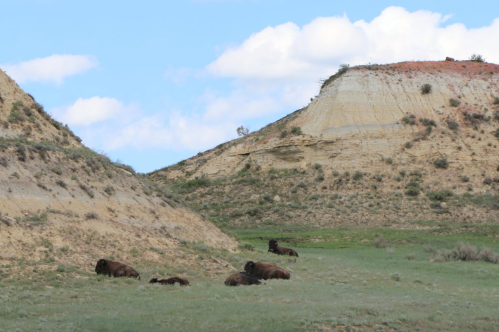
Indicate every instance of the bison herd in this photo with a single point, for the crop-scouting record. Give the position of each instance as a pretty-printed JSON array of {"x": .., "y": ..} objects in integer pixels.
[{"x": 253, "y": 272}]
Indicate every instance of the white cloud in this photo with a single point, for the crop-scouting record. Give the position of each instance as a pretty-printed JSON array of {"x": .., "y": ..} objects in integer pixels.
[
  {"x": 289, "y": 52},
  {"x": 89, "y": 111},
  {"x": 108, "y": 124},
  {"x": 53, "y": 69},
  {"x": 170, "y": 131}
]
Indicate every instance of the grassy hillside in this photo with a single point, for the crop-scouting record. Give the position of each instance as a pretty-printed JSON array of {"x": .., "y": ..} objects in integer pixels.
[{"x": 255, "y": 198}]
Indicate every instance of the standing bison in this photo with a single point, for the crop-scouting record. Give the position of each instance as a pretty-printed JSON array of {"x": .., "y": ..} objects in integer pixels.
[
  {"x": 170, "y": 281},
  {"x": 277, "y": 249},
  {"x": 115, "y": 269},
  {"x": 241, "y": 278},
  {"x": 266, "y": 271}
]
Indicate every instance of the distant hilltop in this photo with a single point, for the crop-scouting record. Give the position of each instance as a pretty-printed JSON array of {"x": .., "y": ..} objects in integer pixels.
[
  {"x": 368, "y": 115},
  {"x": 380, "y": 144}
]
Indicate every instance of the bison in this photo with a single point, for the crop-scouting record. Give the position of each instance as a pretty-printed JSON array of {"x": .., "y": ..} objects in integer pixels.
[
  {"x": 170, "y": 281},
  {"x": 241, "y": 278},
  {"x": 116, "y": 269},
  {"x": 265, "y": 271},
  {"x": 277, "y": 249}
]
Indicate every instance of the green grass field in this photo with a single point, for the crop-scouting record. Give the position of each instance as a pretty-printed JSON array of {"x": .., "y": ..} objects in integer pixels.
[{"x": 340, "y": 282}]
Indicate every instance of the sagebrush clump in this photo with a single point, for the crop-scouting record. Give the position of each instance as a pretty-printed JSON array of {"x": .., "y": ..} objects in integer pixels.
[
  {"x": 441, "y": 163},
  {"x": 426, "y": 89}
]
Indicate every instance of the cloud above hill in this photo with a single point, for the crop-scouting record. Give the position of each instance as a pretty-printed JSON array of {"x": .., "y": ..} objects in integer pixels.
[
  {"x": 108, "y": 124},
  {"x": 89, "y": 111},
  {"x": 289, "y": 52},
  {"x": 51, "y": 69}
]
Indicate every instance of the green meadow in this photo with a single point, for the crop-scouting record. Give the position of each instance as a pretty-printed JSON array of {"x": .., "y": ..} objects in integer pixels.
[{"x": 344, "y": 280}]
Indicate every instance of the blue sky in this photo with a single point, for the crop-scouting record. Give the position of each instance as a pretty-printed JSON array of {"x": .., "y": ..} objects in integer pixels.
[{"x": 151, "y": 83}]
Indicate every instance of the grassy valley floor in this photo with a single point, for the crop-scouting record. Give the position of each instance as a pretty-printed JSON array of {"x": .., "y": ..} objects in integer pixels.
[{"x": 344, "y": 280}]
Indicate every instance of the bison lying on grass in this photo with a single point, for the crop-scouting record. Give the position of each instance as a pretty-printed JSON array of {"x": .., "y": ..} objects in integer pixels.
[
  {"x": 277, "y": 249},
  {"x": 241, "y": 278},
  {"x": 115, "y": 269},
  {"x": 170, "y": 281},
  {"x": 266, "y": 271}
]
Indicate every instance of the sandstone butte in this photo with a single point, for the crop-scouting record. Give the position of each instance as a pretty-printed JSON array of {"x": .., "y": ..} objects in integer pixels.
[
  {"x": 62, "y": 202},
  {"x": 375, "y": 119},
  {"x": 357, "y": 120}
]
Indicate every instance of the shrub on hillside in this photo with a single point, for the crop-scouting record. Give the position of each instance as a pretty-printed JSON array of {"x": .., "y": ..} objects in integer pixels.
[
  {"x": 454, "y": 102},
  {"x": 441, "y": 163},
  {"x": 296, "y": 130},
  {"x": 61, "y": 183},
  {"x": 91, "y": 215},
  {"x": 357, "y": 175},
  {"x": 319, "y": 178},
  {"x": 425, "y": 89},
  {"x": 453, "y": 125},
  {"x": 87, "y": 190},
  {"x": 413, "y": 188},
  {"x": 254, "y": 211},
  {"x": 343, "y": 68},
  {"x": 428, "y": 122},
  {"x": 487, "y": 180},
  {"x": 109, "y": 190},
  {"x": 466, "y": 252},
  {"x": 15, "y": 116},
  {"x": 477, "y": 58},
  {"x": 439, "y": 195},
  {"x": 489, "y": 256},
  {"x": 412, "y": 191},
  {"x": 408, "y": 145},
  {"x": 443, "y": 256}
]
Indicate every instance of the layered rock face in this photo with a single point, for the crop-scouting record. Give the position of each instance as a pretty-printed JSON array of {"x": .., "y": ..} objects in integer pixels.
[
  {"x": 401, "y": 145},
  {"x": 377, "y": 119},
  {"x": 59, "y": 199}
]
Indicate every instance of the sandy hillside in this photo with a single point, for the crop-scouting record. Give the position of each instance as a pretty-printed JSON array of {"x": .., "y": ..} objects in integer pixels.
[{"x": 60, "y": 201}]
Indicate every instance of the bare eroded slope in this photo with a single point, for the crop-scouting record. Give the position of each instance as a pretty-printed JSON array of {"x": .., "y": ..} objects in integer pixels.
[{"x": 60, "y": 201}]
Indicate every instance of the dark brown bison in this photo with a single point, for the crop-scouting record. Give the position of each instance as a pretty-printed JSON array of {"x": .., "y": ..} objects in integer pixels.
[
  {"x": 266, "y": 271},
  {"x": 277, "y": 249},
  {"x": 170, "y": 281},
  {"x": 241, "y": 278},
  {"x": 115, "y": 269}
]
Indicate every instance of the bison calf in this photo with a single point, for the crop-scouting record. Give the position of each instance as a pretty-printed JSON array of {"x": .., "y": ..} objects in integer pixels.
[
  {"x": 277, "y": 249},
  {"x": 241, "y": 278},
  {"x": 170, "y": 281},
  {"x": 266, "y": 271},
  {"x": 115, "y": 269}
]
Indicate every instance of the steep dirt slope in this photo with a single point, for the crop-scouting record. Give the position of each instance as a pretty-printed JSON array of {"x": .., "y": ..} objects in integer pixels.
[
  {"x": 60, "y": 201},
  {"x": 372, "y": 130}
]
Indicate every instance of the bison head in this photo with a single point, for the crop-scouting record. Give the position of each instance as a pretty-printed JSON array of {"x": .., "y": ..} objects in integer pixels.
[
  {"x": 153, "y": 280},
  {"x": 100, "y": 268},
  {"x": 272, "y": 245},
  {"x": 250, "y": 267}
]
